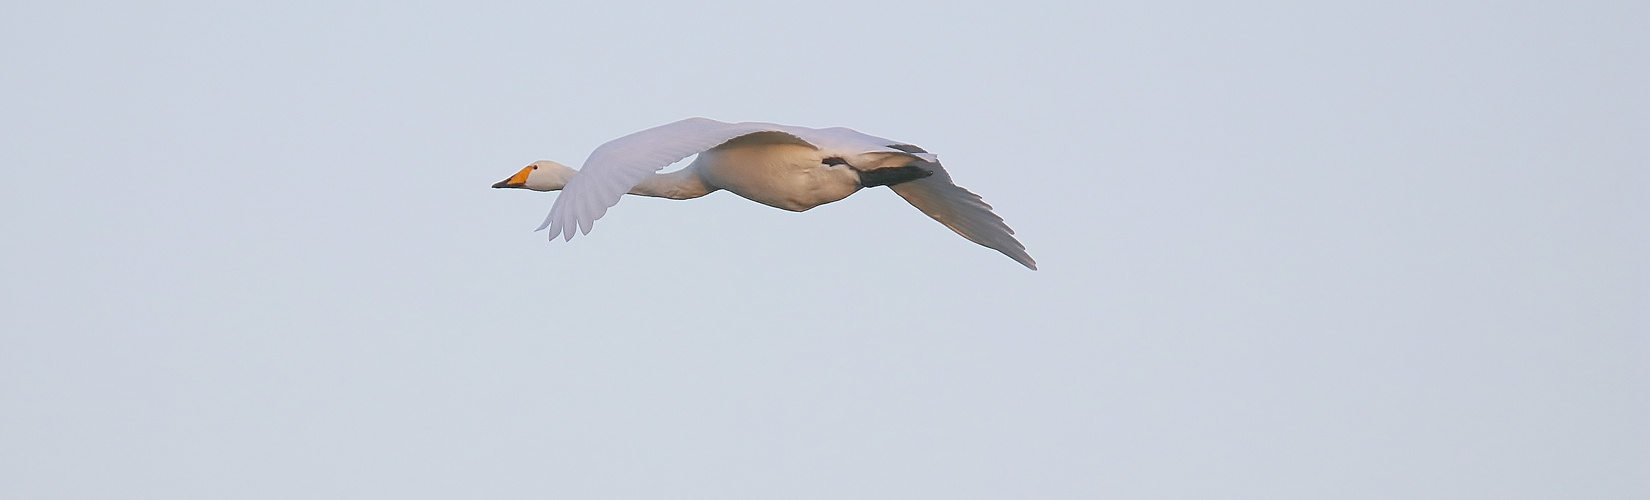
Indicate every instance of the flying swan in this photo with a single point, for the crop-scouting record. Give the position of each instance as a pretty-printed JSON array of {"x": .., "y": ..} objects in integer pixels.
[{"x": 793, "y": 168}]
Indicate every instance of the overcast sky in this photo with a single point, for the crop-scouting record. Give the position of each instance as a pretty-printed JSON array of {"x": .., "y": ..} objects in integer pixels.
[{"x": 1288, "y": 250}]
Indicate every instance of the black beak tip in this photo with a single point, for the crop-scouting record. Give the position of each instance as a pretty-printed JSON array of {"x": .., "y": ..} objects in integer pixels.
[{"x": 504, "y": 184}]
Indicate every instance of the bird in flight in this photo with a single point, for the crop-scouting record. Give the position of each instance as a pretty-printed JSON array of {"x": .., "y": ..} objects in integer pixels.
[{"x": 782, "y": 166}]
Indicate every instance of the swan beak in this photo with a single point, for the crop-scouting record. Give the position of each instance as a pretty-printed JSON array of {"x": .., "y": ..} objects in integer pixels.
[{"x": 516, "y": 181}]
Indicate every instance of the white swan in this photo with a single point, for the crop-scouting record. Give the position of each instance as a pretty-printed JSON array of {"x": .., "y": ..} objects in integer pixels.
[{"x": 793, "y": 168}]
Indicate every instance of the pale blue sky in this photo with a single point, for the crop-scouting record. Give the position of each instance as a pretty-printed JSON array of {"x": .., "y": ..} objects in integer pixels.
[{"x": 1288, "y": 251}]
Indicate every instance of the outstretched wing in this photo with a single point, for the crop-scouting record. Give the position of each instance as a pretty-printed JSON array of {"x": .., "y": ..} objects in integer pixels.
[
  {"x": 615, "y": 167},
  {"x": 962, "y": 211}
]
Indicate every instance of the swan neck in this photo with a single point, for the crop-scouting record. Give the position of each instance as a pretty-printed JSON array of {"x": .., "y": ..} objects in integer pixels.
[{"x": 679, "y": 185}]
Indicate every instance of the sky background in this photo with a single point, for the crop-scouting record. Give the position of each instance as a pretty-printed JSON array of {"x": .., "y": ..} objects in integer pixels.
[{"x": 1289, "y": 250}]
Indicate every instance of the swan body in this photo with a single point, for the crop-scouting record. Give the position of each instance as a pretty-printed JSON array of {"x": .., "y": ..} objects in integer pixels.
[{"x": 786, "y": 167}]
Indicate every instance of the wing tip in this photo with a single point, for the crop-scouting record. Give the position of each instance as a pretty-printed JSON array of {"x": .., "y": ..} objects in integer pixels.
[{"x": 1020, "y": 256}]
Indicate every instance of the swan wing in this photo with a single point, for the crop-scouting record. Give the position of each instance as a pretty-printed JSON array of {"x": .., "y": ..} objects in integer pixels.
[
  {"x": 618, "y": 165},
  {"x": 962, "y": 211}
]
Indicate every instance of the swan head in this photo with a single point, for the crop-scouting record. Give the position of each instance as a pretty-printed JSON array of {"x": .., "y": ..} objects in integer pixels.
[{"x": 543, "y": 175}]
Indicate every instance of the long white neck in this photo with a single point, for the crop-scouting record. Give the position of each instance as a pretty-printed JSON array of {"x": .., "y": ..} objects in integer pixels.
[{"x": 679, "y": 185}]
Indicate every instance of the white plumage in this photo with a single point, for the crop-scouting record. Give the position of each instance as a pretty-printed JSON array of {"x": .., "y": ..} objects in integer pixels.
[{"x": 793, "y": 168}]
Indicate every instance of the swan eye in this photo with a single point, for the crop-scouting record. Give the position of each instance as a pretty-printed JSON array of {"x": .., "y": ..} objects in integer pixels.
[{"x": 834, "y": 161}]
